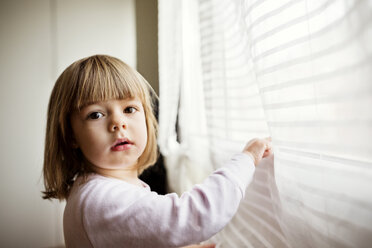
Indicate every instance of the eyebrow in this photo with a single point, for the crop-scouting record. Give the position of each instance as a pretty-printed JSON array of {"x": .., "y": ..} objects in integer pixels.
[
  {"x": 129, "y": 101},
  {"x": 85, "y": 106}
]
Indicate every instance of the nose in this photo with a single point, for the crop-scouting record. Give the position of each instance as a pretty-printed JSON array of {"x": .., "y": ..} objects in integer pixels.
[{"x": 117, "y": 123}]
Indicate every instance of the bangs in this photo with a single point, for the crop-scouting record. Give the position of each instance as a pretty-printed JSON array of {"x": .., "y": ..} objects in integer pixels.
[{"x": 104, "y": 78}]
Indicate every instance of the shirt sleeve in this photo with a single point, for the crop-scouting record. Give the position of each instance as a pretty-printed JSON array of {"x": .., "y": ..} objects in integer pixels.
[{"x": 133, "y": 217}]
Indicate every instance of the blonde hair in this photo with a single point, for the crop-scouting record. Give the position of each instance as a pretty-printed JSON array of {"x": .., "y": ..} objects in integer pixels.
[{"x": 91, "y": 79}]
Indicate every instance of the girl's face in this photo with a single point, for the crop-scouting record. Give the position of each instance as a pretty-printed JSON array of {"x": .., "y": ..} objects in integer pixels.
[{"x": 111, "y": 134}]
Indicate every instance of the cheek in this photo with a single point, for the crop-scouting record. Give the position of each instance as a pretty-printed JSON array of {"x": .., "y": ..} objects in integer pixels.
[
  {"x": 83, "y": 136},
  {"x": 90, "y": 140},
  {"x": 142, "y": 132}
]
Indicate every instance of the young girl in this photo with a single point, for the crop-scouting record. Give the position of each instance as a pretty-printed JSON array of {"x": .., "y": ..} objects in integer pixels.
[{"x": 100, "y": 136}]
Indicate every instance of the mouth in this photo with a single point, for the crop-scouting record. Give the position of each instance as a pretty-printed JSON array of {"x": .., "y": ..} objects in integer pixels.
[{"x": 122, "y": 144}]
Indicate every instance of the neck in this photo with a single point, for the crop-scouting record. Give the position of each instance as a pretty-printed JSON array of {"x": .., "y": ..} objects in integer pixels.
[{"x": 129, "y": 175}]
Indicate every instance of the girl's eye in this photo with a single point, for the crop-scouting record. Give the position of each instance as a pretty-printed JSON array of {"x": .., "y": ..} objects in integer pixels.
[
  {"x": 130, "y": 110},
  {"x": 95, "y": 115}
]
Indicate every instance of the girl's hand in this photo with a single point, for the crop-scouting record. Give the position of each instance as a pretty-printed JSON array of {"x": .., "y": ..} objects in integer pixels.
[{"x": 258, "y": 149}]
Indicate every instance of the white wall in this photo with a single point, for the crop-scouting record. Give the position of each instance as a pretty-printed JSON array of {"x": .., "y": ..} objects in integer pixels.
[{"x": 38, "y": 40}]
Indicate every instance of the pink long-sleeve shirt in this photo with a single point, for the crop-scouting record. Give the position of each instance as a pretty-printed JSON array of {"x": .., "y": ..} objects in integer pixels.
[{"x": 107, "y": 212}]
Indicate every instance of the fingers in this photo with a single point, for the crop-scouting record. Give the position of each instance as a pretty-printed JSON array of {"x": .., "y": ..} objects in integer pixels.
[
  {"x": 258, "y": 149},
  {"x": 209, "y": 246},
  {"x": 269, "y": 143},
  {"x": 267, "y": 153},
  {"x": 268, "y": 147}
]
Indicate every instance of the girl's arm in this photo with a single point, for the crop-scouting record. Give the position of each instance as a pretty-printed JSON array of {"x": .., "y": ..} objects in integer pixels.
[
  {"x": 115, "y": 212},
  {"x": 131, "y": 216}
]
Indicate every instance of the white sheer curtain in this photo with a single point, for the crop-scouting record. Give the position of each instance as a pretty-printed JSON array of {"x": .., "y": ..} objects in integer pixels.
[
  {"x": 299, "y": 71},
  {"x": 182, "y": 96}
]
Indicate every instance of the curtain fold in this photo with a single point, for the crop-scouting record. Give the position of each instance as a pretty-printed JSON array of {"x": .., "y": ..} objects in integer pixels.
[
  {"x": 181, "y": 96},
  {"x": 297, "y": 70}
]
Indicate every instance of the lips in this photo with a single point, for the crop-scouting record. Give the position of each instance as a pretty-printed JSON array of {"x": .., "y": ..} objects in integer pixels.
[{"x": 122, "y": 145}]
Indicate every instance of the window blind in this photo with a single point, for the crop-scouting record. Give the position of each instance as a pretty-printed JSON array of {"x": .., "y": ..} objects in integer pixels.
[{"x": 297, "y": 70}]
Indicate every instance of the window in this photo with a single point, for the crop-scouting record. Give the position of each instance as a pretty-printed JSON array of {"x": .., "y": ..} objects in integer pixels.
[{"x": 298, "y": 71}]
